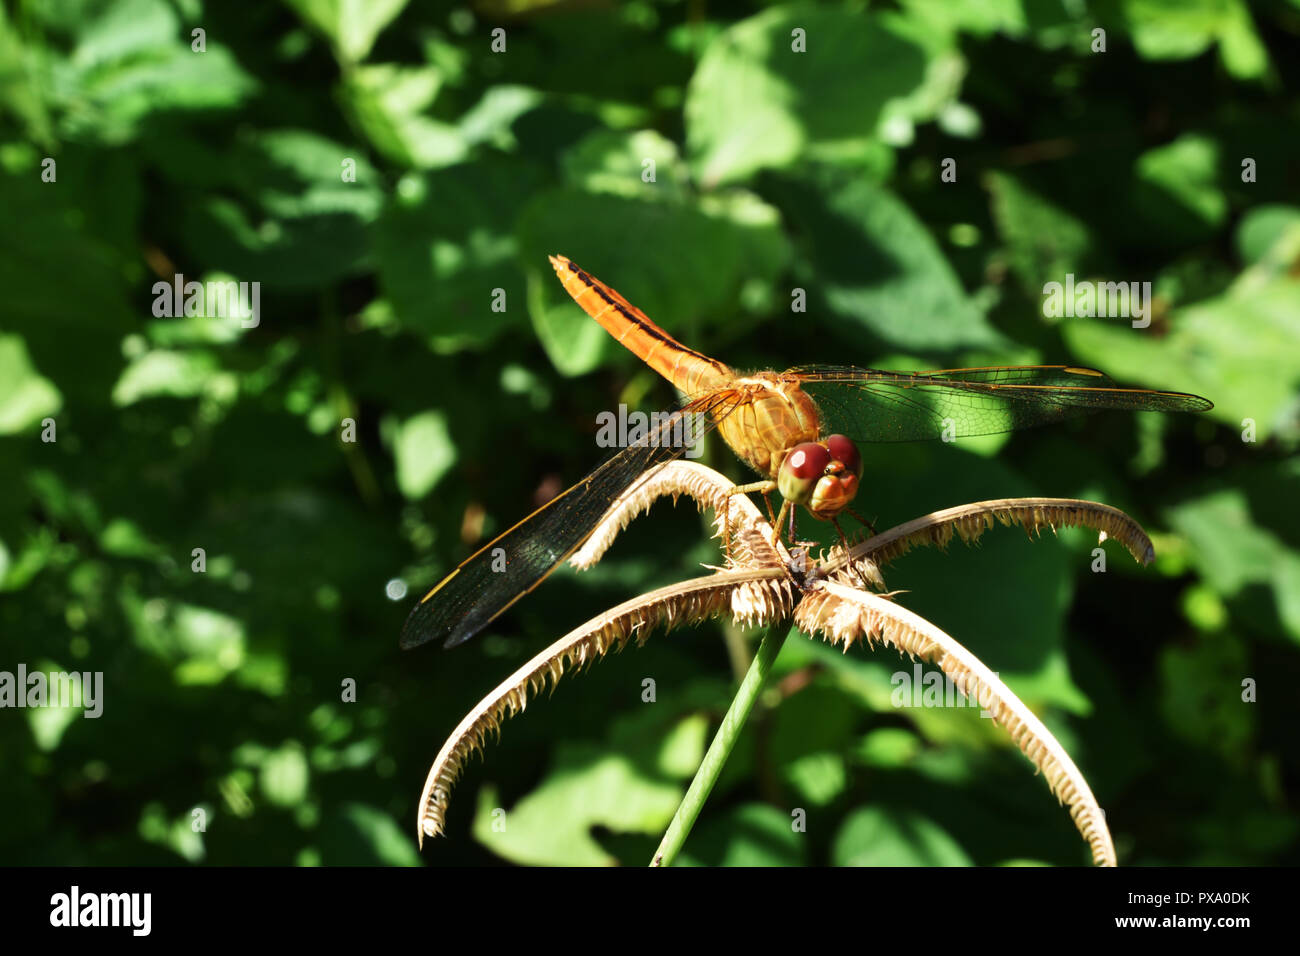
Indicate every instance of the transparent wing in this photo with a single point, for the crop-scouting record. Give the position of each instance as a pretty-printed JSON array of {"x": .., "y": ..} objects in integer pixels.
[
  {"x": 879, "y": 406},
  {"x": 516, "y": 561}
]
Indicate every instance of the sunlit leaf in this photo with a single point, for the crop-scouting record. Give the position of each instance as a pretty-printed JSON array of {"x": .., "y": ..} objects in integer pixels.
[
  {"x": 1176, "y": 30},
  {"x": 885, "y": 836},
  {"x": 878, "y": 267},
  {"x": 752, "y": 834},
  {"x": 25, "y": 396},
  {"x": 585, "y": 788},
  {"x": 350, "y": 25},
  {"x": 755, "y": 101},
  {"x": 1232, "y": 552},
  {"x": 389, "y": 104},
  {"x": 1044, "y": 242},
  {"x": 423, "y": 453},
  {"x": 284, "y": 776}
]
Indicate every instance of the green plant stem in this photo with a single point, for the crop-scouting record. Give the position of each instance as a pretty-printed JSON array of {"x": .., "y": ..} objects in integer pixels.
[{"x": 723, "y": 742}]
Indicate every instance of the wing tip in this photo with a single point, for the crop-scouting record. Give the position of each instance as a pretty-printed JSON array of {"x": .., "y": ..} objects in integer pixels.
[
  {"x": 411, "y": 638},
  {"x": 415, "y": 633},
  {"x": 415, "y": 630}
]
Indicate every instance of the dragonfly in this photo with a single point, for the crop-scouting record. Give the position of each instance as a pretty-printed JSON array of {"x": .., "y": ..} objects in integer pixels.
[{"x": 799, "y": 429}]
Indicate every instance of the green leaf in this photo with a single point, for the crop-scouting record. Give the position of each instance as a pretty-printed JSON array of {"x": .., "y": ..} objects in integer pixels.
[
  {"x": 284, "y": 776},
  {"x": 877, "y": 265},
  {"x": 491, "y": 118},
  {"x": 614, "y": 161},
  {"x": 163, "y": 372},
  {"x": 887, "y": 836},
  {"x": 1177, "y": 187},
  {"x": 278, "y": 209},
  {"x": 1044, "y": 242},
  {"x": 445, "y": 242},
  {"x": 981, "y": 18},
  {"x": 205, "y": 645},
  {"x": 49, "y": 723},
  {"x": 423, "y": 452},
  {"x": 1231, "y": 552},
  {"x": 25, "y": 396},
  {"x": 740, "y": 116},
  {"x": 889, "y": 747},
  {"x": 351, "y": 26},
  {"x": 1201, "y": 695},
  {"x": 176, "y": 834},
  {"x": 361, "y": 835},
  {"x": 125, "y": 29},
  {"x": 818, "y": 778},
  {"x": 389, "y": 102},
  {"x": 125, "y": 538},
  {"x": 22, "y": 90},
  {"x": 752, "y": 834},
  {"x": 131, "y": 63},
  {"x": 1182, "y": 29},
  {"x": 1264, "y": 227},
  {"x": 1252, "y": 376},
  {"x": 33, "y": 260},
  {"x": 683, "y": 748},
  {"x": 296, "y": 173},
  {"x": 754, "y": 102},
  {"x": 586, "y": 787}
]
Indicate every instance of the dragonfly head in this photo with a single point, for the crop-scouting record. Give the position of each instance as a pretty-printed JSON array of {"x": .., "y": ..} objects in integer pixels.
[{"x": 822, "y": 476}]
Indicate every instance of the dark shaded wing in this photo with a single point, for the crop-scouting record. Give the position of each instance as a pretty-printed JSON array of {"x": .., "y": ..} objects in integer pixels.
[
  {"x": 878, "y": 406},
  {"x": 491, "y": 580}
]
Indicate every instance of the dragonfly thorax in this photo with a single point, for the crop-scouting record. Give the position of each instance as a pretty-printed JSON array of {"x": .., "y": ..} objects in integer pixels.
[{"x": 774, "y": 416}]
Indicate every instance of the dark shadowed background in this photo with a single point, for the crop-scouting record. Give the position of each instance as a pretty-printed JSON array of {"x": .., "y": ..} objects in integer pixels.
[{"x": 382, "y": 171}]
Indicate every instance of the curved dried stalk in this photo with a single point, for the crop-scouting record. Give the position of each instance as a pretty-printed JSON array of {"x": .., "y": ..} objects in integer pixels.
[
  {"x": 755, "y": 596},
  {"x": 970, "y": 521},
  {"x": 758, "y": 587},
  {"x": 749, "y": 533},
  {"x": 845, "y": 615}
]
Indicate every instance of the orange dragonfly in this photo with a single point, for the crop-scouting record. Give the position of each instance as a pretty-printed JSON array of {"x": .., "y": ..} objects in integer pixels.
[{"x": 799, "y": 429}]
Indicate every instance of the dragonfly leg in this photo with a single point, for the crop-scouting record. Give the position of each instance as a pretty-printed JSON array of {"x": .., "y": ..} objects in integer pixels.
[
  {"x": 776, "y": 525},
  {"x": 861, "y": 520},
  {"x": 764, "y": 486},
  {"x": 844, "y": 541},
  {"x": 726, "y": 530}
]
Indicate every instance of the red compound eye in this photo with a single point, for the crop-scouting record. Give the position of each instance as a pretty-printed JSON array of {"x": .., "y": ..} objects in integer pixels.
[
  {"x": 807, "y": 460},
  {"x": 844, "y": 450}
]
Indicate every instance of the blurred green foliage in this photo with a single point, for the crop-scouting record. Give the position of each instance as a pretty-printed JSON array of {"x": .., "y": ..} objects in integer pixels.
[{"x": 381, "y": 170}]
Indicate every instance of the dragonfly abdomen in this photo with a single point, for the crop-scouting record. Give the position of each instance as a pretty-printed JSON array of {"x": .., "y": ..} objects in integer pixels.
[{"x": 689, "y": 370}]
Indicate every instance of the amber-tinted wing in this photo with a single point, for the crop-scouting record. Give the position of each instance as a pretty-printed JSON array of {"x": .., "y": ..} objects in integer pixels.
[
  {"x": 516, "y": 561},
  {"x": 879, "y": 406}
]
